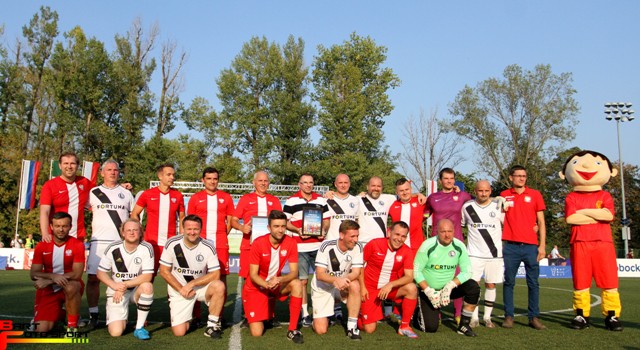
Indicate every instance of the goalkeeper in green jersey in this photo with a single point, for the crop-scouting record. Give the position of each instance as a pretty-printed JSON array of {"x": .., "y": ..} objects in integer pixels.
[{"x": 434, "y": 271}]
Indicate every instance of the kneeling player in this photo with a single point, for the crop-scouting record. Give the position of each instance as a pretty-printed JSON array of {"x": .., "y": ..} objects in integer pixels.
[
  {"x": 127, "y": 269},
  {"x": 57, "y": 274},
  {"x": 267, "y": 257},
  {"x": 388, "y": 275},
  {"x": 434, "y": 270},
  {"x": 190, "y": 266},
  {"x": 338, "y": 266}
]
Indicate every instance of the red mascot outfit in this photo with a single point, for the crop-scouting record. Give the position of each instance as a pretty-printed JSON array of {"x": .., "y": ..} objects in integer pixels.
[{"x": 589, "y": 211}]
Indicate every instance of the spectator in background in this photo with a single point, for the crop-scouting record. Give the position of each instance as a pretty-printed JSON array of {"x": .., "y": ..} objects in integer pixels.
[
  {"x": 630, "y": 255},
  {"x": 555, "y": 258},
  {"x": 30, "y": 243}
]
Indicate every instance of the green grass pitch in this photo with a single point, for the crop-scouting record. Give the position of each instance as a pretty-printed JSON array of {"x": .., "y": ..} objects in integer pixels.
[{"x": 17, "y": 294}]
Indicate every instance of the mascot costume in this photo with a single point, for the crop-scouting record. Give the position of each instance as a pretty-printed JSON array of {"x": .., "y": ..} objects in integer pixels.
[{"x": 589, "y": 211}]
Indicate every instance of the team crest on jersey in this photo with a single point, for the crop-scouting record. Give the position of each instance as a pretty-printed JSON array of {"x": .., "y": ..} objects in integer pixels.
[
  {"x": 81, "y": 187},
  {"x": 283, "y": 252},
  {"x": 68, "y": 252},
  {"x": 221, "y": 200},
  {"x": 121, "y": 195},
  {"x": 199, "y": 258},
  {"x": 348, "y": 258},
  {"x": 527, "y": 199},
  {"x": 137, "y": 261},
  {"x": 252, "y": 314},
  {"x": 270, "y": 203},
  {"x": 381, "y": 202},
  {"x": 173, "y": 200},
  {"x": 455, "y": 198},
  {"x": 399, "y": 258},
  {"x": 452, "y": 253},
  {"x": 414, "y": 204},
  {"x": 492, "y": 214},
  {"x": 352, "y": 205}
]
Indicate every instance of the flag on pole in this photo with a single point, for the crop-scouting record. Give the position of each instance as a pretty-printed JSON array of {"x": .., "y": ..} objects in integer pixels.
[
  {"x": 28, "y": 181},
  {"x": 90, "y": 171}
]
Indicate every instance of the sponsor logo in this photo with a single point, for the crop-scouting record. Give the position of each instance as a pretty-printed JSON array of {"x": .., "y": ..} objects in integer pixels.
[
  {"x": 379, "y": 254},
  {"x": 109, "y": 206},
  {"x": 443, "y": 267},
  {"x": 252, "y": 203},
  {"x": 22, "y": 333},
  {"x": 126, "y": 275},
  {"x": 153, "y": 199},
  {"x": 263, "y": 254},
  {"x": 186, "y": 271},
  {"x": 628, "y": 268},
  {"x": 46, "y": 253},
  {"x": 202, "y": 200},
  {"x": 62, "y": 191},
  {"x": 375, "y": 213}
]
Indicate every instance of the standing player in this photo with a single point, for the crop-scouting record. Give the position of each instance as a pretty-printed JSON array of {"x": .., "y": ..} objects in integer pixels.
[
  {"x": 434, "y": 268},
  {"x": 111, "y": 205},
  {"x": 373, "y": 211},
  {"x": 521, "y": 244},
  {"x": 190, "y": 266},
  {"x": 57, "y": 274},
  {"x": 408, "y": 210},
  {"x": 446, "y": 204},
  {"x": 257, "y": 203},
  {"x": 483, "y": 218},
  {"x": 165, "y": 211},
  {"x": 127, "y": 270},
  {"x": 307, "y": 245},
  {"x": 215, "y": 208},
  {"x": 338, "y": 266},
  {"x": 267, "y": 257},
  {"x": 388, "y": 275},
  {"x": 66, "y": 193},
  {"x": 343, "y": 206}
]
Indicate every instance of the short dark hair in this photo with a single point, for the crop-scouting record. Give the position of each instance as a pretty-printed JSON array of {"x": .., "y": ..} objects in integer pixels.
[
  {"x": 446, "y": 171},
  {"x": 210, "y": 170},
  {"x": 61, "y": 215},
  {"x": 69, "y": 154},
  {"x": 348, "y": 225},
  {"x": 276, "y": 215},
  {"x": 194, "y": 218},
  {"x": 401, "y": 181},
  {"x": 585, "y": 152},
  {"x": 516, "y": 168},
  {"x": 398, "y": 223},
  {"x": 161, "y": 167}
]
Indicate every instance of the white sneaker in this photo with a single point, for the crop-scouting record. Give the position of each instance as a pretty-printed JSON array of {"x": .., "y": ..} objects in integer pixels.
[{"x": 474, "y": 323}]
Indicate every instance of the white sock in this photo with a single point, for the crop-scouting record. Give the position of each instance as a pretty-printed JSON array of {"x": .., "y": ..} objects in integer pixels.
[
  {"x": 212, "y": 320},
  {"x": 305, "y": 311},
  {"x": 93, "y": 310},
  {"x": 352, "y": 323},
  {"x": 144, "y": 305},
  {"x": 489, "y": 300}
]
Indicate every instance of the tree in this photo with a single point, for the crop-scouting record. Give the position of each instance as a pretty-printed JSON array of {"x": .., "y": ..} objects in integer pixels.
[
  {"x": 428, "y": 147},
  {"x": 172, "y": 63},
  {"x": 632, "y": 202},
  {"x": 350, "y": 86},
  {"x": 521, "y": 119}
]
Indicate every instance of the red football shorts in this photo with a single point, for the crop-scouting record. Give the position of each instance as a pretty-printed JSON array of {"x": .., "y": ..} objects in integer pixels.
[{"x": 594, "y": 260}]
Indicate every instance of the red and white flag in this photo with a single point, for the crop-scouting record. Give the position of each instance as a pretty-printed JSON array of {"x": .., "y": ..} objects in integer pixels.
[
  {"x": 28, "y": 182},
  {"x": 90, "y": 171}
]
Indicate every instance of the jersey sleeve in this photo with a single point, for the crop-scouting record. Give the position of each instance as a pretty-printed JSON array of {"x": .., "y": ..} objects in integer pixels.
[
  {"x": 180, "y": 202},
  {"x": 608, "y": 202},
  {"x": 254, "y": 254},
  {"x": 106, "y": 263},
  {"x": 539, "y": 202},
  {"x": 37, "y": 255},
  {"x": 368, "y": 251},
  {"x": 322, "y": 258},
  {"x": 212, "y": 262},
  {"x": 191, "y": 206},
  {"x": 78, "y": 252},
  {"x": 46, "y": 197},
  {"x": 230, "y": 207},
  {"x": 570, "y": 207},
  {"x": 142, "y": 201},
  {"x": 293, "y": 251},
  {"x": 239, "y": 211},
  {"x": 288, "y": 209},
  {"x": 358, "y": 261},
  {"x": 167, "y": 258},
  {"x": 408, "y": 260},
  {"x": 148, "y": 260}
]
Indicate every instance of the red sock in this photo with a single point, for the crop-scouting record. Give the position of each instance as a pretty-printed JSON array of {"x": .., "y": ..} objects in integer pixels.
[
  {"x": 408, "y": 306},
  {"x": 197, "y": 311},
  {"x": 72, "y": 321},
  {"x": 295, "y": 306},
  {"x": 457, "y": 305}
]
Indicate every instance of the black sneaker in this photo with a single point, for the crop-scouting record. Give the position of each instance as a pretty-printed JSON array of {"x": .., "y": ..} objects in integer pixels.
[
  {"x": 244, "y": 324},
  {"x": 612, "y": 322},
  {"x": 273, "y": 323},
  {"x": 213, "y": 332},
  {"x": 307, "y": 321},
  {"x": 295, "y": 336},
  {"x": 466, "y": 330},
  {"x": 93, "y": 320},
  {"x": 354, "y": 334},
  {"x": 580, "y": 322}
]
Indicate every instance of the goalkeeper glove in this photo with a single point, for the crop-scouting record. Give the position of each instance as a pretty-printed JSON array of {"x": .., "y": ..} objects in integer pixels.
[
  {"x": 433, "y": 296},
  {"x": 445, "y": 293}
]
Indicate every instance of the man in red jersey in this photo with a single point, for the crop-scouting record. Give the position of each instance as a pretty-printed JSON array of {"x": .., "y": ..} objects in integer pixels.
[
  {"x": 267, "y": 257},
  {"x": 57, "y": 274},
  {"x": 165, "y": 211},
  {"x": 257, "y": 203},
  {"x": 523, "y": 221},
  {"x": 388, "y": 275},
  {"x": 408, "y": 210},
  {"x": 589, "y": 210},
  {"x": 67, "y": 193}
]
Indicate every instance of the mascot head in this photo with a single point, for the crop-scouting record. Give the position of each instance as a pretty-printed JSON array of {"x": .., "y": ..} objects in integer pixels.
[{"x": 587, "y": 171}]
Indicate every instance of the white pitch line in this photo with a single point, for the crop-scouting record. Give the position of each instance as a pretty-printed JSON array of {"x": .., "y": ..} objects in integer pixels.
[
  {"x": 235, "y": 340},
  {"x": 595, "y": 303}
]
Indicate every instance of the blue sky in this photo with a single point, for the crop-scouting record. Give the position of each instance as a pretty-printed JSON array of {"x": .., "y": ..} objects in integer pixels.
[{"x": 435, "y": 47}]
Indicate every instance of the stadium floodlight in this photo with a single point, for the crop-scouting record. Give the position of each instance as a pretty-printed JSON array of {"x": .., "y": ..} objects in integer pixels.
[{"x": 621, "y": 112}]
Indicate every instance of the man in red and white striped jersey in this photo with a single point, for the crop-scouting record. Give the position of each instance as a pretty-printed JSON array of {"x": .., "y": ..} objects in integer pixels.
[
  {"x": 257, "y": 203},
  {"x": 410, "y": 211},
  {"x": 165, "y": 211},
  {"x": 388, "y": 275},
  {"x": 67, "y": 193},
  {"x": 57, "y": 274}
]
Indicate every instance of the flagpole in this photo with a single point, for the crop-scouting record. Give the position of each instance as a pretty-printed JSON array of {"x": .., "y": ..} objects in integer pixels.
[{"x": 15, "y": 238}]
